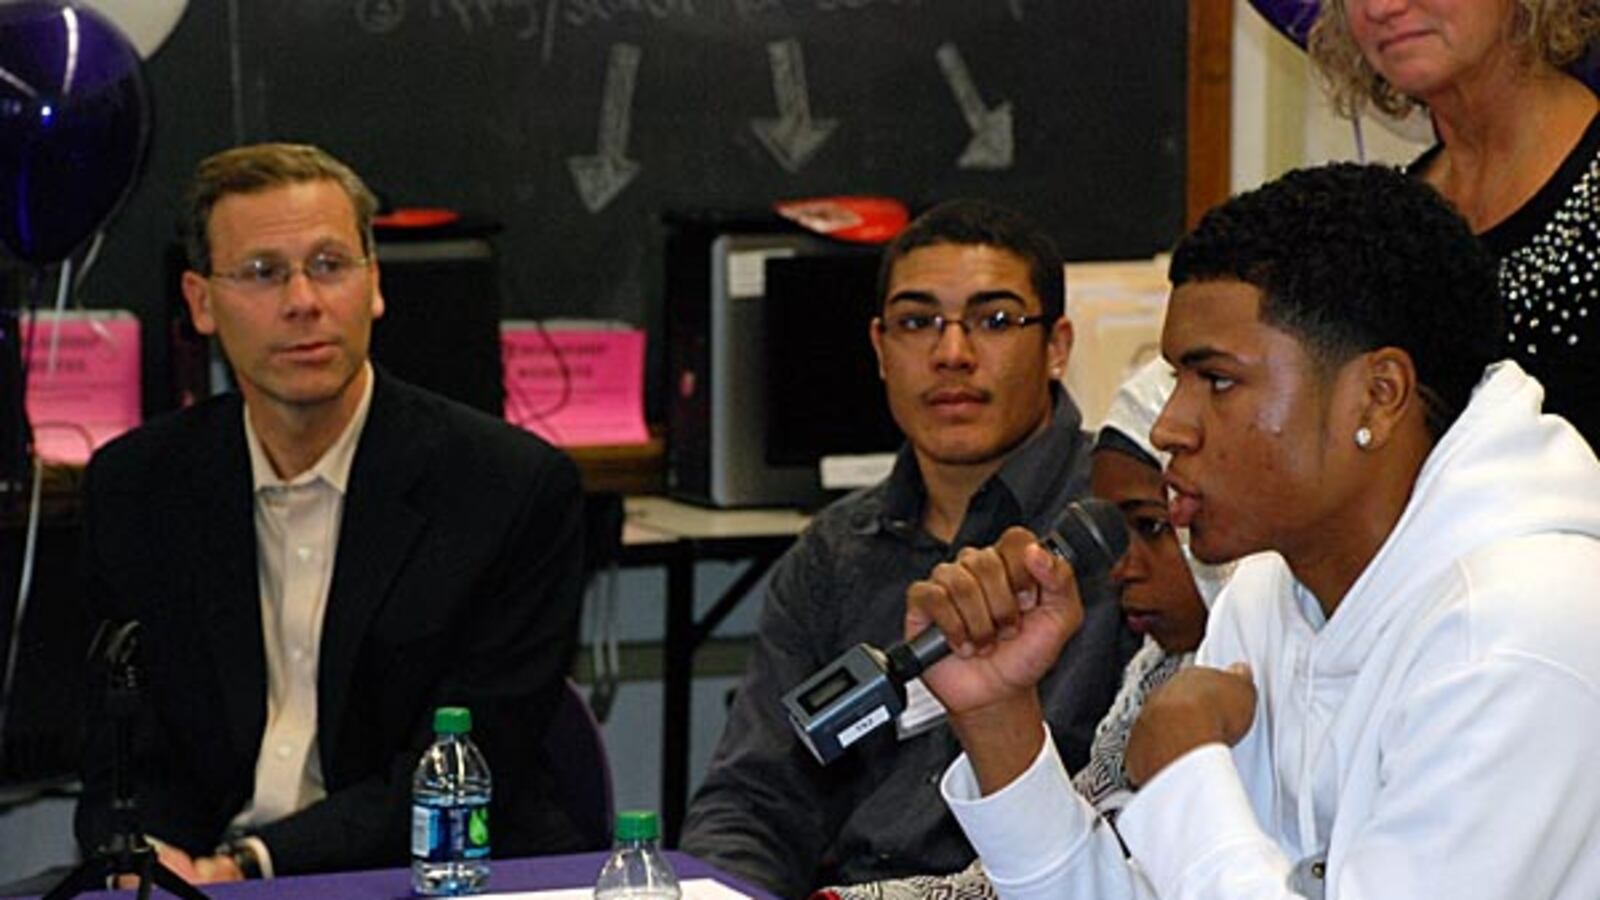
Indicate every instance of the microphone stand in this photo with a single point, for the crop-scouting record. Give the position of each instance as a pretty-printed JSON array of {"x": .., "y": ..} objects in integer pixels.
[{"x": 125, "y": 851}]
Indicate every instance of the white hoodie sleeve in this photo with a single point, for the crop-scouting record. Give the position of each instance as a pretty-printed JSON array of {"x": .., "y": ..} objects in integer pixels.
[
  {"x": 1195, "y": 833},
  {"x": 1474, "y": 807},
  {"x": 1038, "y": 837}
]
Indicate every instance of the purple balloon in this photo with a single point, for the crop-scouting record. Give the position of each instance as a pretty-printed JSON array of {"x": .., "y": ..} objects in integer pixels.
[
  {"x": 1292, "y": 18},
  {"x": 74, "y": 118},
  {"x": 1587, "y": 68}
]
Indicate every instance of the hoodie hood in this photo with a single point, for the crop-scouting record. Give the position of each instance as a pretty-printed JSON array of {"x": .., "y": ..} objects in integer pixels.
[
  {"x": 1502, "y": 471},
  {"x": 1209, "y": 578}
]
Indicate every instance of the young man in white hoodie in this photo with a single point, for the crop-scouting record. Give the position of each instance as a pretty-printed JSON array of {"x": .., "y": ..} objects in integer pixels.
[{"x": 1403, "y": 701}]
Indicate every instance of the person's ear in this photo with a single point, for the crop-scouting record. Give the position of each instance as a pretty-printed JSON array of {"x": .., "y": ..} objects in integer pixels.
[
  {"x": 197, "y": 295},
  {"x": 1059, "y": 347},
  {"x": 875, "y": 334},
  {"x": 377, "y": 293},
  {"x": 1390, "y": 396}
]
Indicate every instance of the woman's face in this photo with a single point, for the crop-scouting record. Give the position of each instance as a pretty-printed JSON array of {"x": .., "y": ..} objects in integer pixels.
[
  {"x": 1425, "y": 47},
  {"x": 1157, "y": 589}
]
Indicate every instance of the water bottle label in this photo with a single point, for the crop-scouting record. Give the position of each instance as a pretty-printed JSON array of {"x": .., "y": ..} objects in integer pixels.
[
  {"x": 477, "y": 843},
  {"x": 423, "y": 831},
  {"x": 445, "y": 833}
]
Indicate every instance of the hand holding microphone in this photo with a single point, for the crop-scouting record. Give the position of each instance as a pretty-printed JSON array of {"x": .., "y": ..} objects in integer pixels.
[{"x": 865, "y": 687}]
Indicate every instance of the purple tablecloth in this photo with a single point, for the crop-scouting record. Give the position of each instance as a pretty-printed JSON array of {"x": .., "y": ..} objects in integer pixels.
[{"x": 537, "y": 873}]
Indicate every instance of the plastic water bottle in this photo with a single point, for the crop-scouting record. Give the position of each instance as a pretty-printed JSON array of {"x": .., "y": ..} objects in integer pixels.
[
  {"x": 637, "y": 869},
  {"x": 450, "y": 811}
]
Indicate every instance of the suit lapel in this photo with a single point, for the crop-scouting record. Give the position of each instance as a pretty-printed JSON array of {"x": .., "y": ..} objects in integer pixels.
[
  {"x": 226, "y": 578},
  {"x": 379, "y": 526}
]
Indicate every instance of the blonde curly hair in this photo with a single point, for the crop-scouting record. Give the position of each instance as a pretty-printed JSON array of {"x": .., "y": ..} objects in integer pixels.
[{"x": 1553, "y": 31}]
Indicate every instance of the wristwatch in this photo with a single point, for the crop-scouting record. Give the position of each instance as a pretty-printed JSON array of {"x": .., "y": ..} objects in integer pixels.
[{"x": 243, "y": 854}]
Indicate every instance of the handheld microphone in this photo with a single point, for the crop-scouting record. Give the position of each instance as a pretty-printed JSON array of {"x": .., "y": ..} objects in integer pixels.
[{"x": 866, "y": 687}]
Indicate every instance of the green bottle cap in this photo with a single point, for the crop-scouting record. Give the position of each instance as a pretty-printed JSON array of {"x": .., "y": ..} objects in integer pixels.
[
  {"x": 637, "y": 825},
  {"x": 452, "y": 720}
]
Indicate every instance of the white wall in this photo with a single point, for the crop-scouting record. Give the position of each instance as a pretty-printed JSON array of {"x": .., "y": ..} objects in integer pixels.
[
  {"x": 633, "y": 728},
  {"x": 35, "y": 836}
]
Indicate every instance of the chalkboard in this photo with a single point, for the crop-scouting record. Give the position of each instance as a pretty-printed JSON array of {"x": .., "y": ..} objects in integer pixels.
[{"x": 578, "y": 123}]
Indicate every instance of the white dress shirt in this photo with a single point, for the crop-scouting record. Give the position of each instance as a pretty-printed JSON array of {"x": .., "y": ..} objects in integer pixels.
[{"x": 297, "y": 536}]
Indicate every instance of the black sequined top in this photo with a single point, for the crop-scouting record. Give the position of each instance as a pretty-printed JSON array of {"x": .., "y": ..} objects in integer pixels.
[{"x": 1549, "y": 254}]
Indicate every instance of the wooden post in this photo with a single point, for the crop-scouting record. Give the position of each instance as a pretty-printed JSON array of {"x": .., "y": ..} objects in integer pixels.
[{"x": 1209, "y": 107}]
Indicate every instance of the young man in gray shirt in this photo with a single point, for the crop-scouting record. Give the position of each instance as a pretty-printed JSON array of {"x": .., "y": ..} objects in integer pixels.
[{"x": 971, "y": 342}]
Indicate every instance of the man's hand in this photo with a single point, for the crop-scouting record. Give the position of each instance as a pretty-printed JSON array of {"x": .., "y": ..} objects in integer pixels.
[
  {"x": 212, "y": 869},
  {"x": 195, "y": 870},
  {"x": 1006, "y": 611},
  {"x": 1200, "y": 705},
  {"x": 178, "y": 861}
]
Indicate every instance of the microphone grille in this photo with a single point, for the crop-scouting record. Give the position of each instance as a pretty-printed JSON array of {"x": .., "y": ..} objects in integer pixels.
[{"x": 1091, "y": 535}]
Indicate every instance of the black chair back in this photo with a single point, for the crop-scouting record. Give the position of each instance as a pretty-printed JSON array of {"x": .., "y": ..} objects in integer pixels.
[{"x": 576, "y": 751}]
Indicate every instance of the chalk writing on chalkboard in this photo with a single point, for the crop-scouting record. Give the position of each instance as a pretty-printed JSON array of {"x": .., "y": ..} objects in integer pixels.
[
  {"x": 991, "y": 146},
  {"x": 541, "y": 20},
  {"x": 580, "y": 125},
  {"x": 380, "y": 16},
  {"x": 793, "y": 137},
  {"x": 602, "y": 176}
]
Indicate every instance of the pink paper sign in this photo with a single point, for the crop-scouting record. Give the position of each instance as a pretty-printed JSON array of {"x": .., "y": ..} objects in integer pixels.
[
  {"x": 91, "y": 395},
  {"x": 575, "y": 387}
]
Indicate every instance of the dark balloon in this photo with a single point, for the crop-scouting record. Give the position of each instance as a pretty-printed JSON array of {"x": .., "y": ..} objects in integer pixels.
[
  {"x": 73, "y": 123},
  {"x": 1292, "y": 18},
  {"x": 1587, "y": 68}
]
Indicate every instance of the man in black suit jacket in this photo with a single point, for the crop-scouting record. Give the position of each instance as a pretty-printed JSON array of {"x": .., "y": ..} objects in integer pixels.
[{"x": 322, "y": 559}]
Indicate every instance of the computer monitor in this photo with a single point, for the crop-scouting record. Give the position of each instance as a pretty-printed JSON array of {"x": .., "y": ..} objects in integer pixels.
[{"x": 824, "y": 396}]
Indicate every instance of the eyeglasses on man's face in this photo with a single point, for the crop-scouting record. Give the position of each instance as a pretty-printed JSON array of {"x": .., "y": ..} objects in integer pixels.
[
  {"x": 261, "y": 274},
  {"x": 919, "y": 329}
]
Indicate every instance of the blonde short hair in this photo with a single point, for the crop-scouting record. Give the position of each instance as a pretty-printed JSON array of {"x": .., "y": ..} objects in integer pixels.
[
  {"x": 1552, "y": 31},
  {"x": 257, "y": 167}
]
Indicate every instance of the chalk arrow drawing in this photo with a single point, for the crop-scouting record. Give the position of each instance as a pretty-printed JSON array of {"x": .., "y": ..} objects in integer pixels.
[
  {"x": 601, "y": 177},
  {"x": 793, "y": 137},
  {"x": 991, "y": 145}
]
